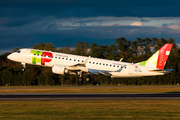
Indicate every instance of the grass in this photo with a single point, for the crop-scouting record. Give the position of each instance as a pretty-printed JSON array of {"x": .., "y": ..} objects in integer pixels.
[
  {"x": 93, "y": 89},
  {"x": 89, "y": 109}
]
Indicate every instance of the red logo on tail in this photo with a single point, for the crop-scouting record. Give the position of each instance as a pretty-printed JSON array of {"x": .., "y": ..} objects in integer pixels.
[{"x": 163, "y": 55}]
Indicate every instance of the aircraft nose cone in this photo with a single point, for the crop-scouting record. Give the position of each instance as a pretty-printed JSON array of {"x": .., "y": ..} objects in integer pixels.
[{"x": 9, "y": 56}]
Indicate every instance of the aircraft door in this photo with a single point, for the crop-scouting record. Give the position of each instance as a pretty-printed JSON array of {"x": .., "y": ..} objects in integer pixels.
[
  {"x": 131, "y": 67},
  {"x": 28, "y": 54}
]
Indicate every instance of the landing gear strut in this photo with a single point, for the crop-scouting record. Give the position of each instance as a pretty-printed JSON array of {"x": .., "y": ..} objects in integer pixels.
[
  {"x": 80, "y": 76},
  {"x": 24, "y": 66}
]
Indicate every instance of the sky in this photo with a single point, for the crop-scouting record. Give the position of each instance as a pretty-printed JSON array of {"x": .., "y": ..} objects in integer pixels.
[{"x": 24, "y": 23}]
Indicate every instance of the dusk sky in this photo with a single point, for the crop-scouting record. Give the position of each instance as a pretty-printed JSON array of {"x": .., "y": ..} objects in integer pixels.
[{"x": 24, "y": 23}]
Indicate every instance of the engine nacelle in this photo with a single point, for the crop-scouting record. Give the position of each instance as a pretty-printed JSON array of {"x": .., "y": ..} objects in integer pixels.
[{"x": 59, "y": 69}]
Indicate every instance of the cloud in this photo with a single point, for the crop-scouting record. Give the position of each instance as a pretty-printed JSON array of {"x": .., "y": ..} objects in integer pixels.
[
  {"x": 175, "y": 27},
  {"x": 67, "y": 31},
  {"x": 137, "y": 24},
  {"x": 178, "y": 44},
  {"x": 4, "y": 20},
  {"x": 5, "y": 51},
  {"x": 117, "y": 21},
  {"x": 24, "y": 23}
]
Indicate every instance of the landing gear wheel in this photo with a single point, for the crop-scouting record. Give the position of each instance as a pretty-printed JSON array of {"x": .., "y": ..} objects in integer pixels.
[
  {"x": 80, "y": 79},
  {"x": 87, "y": 79}
]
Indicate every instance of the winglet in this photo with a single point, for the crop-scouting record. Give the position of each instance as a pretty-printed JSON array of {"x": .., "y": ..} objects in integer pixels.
[
  {"x": 84, "y": 63},
  {"x": 120, "y": 59}
]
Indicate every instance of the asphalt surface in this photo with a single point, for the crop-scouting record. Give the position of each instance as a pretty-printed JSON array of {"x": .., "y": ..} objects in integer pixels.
[
  {"x": 61, "y": 87},
  {"x": 89, "y": 96}
]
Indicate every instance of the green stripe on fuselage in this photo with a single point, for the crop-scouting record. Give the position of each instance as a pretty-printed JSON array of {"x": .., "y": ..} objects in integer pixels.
[{"x": 36, "y": 56}]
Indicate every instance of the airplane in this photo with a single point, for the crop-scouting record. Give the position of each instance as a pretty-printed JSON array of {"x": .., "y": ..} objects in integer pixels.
[{"x": 62, "y": 63}]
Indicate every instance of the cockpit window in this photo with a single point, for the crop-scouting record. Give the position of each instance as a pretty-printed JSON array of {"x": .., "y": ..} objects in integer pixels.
[{"x": 18, "y": 51}]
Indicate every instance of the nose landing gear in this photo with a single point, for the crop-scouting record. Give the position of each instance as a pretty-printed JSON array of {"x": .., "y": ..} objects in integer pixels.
[{"x": 24, "y": 66}]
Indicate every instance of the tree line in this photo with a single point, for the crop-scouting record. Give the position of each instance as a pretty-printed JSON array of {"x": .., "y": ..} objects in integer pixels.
[{"x": 11, "y": 73}]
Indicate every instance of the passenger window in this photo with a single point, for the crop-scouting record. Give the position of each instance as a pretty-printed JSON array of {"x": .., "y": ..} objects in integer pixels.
[
  {"x": 93, "y": 62},
  {"x": 99, "y": 63},
  {"x": 74, "y": 59},
  {"x": 106, "y": 64},
  {"x": 82, "y": 60},
  {"x": 78, "y": 60},
  {"x": 55, "y": 57},
  {"x": 109, "y": 65},
  {"x": 63, "y": 58},
  {"x": 66, "y": 58},
  {"x": 117, "y": 66},
  {"x": 70, "y": 59},
  {"x": 103, "y": 64},
  {"x": 89, "y": 61},
  {"x": 114, "y": 65}
]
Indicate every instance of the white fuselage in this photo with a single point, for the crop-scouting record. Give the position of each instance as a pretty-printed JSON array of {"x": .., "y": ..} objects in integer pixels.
[{"x": 94, "y": 65}]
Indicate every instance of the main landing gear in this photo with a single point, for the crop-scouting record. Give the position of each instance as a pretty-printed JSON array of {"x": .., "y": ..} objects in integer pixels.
[
  {"x": 87, "y": 78},
  {"x": 81, "y": 78}
]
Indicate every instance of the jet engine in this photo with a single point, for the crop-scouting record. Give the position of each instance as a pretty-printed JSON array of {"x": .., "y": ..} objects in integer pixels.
[{"x": 59, "y": 69}]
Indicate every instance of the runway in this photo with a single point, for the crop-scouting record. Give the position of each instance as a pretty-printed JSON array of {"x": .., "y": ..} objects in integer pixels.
[{"x": 88, "y": 96}]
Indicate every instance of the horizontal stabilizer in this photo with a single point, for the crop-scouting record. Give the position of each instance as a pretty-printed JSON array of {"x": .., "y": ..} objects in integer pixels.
[{"x": 165, "y": 71}]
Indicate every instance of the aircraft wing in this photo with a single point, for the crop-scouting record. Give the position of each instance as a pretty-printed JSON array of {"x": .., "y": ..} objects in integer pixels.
[{"x": 80, "y": 66}]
